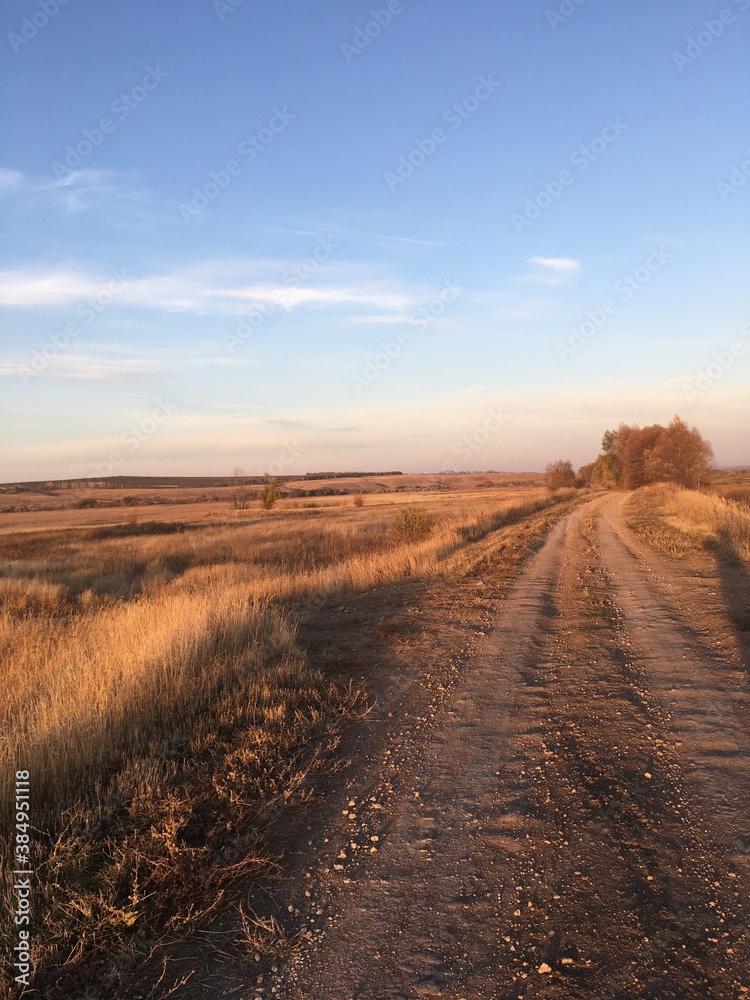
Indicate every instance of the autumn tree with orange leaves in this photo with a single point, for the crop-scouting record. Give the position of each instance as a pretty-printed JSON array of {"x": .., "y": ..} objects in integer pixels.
[{"x": 635, "y": 456}]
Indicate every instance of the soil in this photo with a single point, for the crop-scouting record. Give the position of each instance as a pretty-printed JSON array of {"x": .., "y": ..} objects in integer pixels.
[{"x": 550, "y": 797}]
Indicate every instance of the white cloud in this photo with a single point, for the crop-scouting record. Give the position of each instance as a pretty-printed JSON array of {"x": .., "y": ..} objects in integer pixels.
[
  {"x": 10, "y": 181},
  {"x": 209, "y": 288},
  {"x": 82, "y": 190},
  {"x": 560, "y": 264},
  {"x": 552, "y": 270},
  {"x": 45, "y": 288},
  {"x": 75, "y": 191}
]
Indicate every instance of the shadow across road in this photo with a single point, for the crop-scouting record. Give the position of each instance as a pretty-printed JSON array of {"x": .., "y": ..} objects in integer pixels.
[{"x": 735, "y": 591}]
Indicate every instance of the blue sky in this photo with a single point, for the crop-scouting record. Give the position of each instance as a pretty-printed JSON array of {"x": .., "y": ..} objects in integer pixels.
[{"x": 353, "y": 236}]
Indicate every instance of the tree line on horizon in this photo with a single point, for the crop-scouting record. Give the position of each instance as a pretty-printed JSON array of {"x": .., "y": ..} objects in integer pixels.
[{"x": 633, "y": 456}]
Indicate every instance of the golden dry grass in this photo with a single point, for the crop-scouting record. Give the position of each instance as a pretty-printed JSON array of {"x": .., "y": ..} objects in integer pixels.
[
  {"x": 155, "y": 692},
  {"x": 680, "y": 522},
  {"x": 161, "y": 736},
  {"x": 81, "y": 693},
  {"x": 114, "y": 638}
]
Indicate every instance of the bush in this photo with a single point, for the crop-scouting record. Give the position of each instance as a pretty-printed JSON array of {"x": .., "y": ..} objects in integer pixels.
[
  {"x": 412, "y": 524},
  {"x": 359, "y": 500},
  {"x": 559, "y": 475},
  {"x": 270, "y": 492}
]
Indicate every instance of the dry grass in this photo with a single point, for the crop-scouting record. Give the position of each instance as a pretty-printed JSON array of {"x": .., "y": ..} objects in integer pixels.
[
  {"x": 739, "y": 493},
  {"x": 161, "y": 736},
  {"x": 86, "y": 691},
  {"x": 681, "y": 522},
  {"x": 155, "y": 691},
  {"x": 277, "y": 551}
]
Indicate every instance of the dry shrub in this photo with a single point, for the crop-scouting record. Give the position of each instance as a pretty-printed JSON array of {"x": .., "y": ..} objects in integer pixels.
[{"x": 412, "y": 524}]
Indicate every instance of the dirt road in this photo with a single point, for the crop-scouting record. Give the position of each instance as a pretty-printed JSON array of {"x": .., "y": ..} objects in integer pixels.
[{"x": 575, "y": 819}]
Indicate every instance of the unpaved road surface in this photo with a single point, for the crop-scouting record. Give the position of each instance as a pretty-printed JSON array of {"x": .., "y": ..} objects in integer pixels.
[{"x": 575, "y": 819}]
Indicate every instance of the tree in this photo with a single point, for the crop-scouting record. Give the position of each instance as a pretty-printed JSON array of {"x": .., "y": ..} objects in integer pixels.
[
  {"x": 634, "y": 456},
  {"x": 586, "y": 474},
  {"x": 608, "y": 441},
  {"x": 559, "y": 474},
  {"x": 681, "y": 455},
  {"x": 633, "y": 445},
  {"x": 270, "y": 492},
  {"x": 240, "y": 495}
]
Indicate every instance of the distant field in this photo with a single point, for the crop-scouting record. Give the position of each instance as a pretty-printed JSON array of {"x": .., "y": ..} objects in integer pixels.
[{"x": 28, "y": 507}]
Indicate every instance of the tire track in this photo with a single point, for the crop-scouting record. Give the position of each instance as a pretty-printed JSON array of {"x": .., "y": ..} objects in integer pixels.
[{"x": 572, "y": 824}]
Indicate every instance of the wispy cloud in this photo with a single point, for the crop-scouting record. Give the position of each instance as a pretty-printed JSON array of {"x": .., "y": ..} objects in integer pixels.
[
  {"x": 84, "y": 190},
  {"x": 88, "y": 368},
  {"x": 10, "y": 181},
  {"x": 102, "y": 362},
  {"x": 357, "y": 234},
  {"x": 76, "y": 191},
  {"x": 381, "y": 319},
  {"x": 45, "y": 287},
  {"x": 209, "y": 288},
  {"x": 551, "y": 270}
]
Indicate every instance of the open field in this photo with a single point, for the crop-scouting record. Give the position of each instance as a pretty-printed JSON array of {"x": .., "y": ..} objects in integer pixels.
[
  {"x": 485, "y": 741},
  {"x": 157, "y": 691},
  {"x": 19, "y": 500}
]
